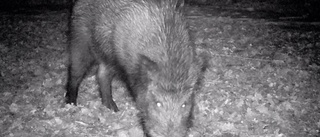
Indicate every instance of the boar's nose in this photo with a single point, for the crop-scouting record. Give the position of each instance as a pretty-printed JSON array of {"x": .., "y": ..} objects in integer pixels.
[{"x": 170, "y": 125}]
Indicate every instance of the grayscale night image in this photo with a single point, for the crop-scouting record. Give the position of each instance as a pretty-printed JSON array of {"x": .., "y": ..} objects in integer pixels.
[{"x": 160, "y": 68}]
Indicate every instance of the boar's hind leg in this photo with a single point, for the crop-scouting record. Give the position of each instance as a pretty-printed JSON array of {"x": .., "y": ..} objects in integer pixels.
[
  {"x": 80, "y": 61},
  {"x": 105, "y": 76}
]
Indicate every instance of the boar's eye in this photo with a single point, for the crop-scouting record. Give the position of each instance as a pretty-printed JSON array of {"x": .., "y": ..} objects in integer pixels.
[
  {"x": 183, "y": 105},
  {"x": 159, "y": 104}
]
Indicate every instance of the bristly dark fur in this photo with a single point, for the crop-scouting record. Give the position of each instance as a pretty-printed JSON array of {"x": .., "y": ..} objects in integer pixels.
[{"x": 147, "y": 44}]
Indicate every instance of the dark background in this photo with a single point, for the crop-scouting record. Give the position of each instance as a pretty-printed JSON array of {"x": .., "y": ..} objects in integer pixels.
[{"x": 309, "y": 9}]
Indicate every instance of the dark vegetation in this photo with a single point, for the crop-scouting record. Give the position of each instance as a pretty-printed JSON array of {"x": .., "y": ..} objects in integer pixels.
[{"x": 263, "y": 78}]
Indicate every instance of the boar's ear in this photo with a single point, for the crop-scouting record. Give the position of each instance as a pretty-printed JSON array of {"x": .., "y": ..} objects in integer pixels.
[
  {"x": 179, "y": 4},
  {"x": 148, "y": 64}
]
